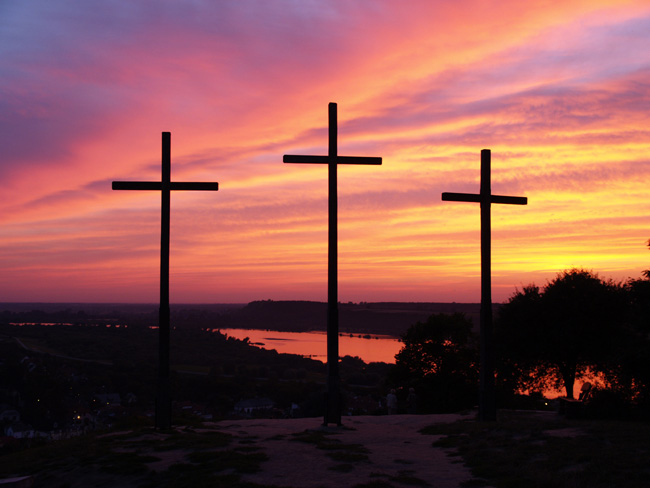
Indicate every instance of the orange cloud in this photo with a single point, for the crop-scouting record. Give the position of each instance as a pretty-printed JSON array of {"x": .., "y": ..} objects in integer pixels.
[{"x": 559, "y": 94}]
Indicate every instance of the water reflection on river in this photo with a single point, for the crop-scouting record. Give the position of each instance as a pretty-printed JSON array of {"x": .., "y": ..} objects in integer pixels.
[{"x": 314, "y": 344}]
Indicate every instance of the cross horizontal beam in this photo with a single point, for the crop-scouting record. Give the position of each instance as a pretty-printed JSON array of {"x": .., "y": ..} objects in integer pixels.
[
  {"x": 475, "y": 197},
  {"x": 157, "y": 185},
  {"x": 293, "y": 158}
]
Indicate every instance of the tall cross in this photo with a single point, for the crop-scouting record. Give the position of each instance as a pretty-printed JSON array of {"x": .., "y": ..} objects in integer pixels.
[
  {"x": 333, "y": 399},
  {"x": 487, "y": 400},
  {"x": 165, "y": 186}
]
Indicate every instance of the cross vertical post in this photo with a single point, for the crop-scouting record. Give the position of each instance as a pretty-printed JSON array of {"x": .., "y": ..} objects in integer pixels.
[
  {"x": 487, "y": 398},
  {"x": 487, "y": 407},
  {"x": 163, "y": 418},
  {"x": 333, "y": 406},
  {"x": 333, "y": 396}
]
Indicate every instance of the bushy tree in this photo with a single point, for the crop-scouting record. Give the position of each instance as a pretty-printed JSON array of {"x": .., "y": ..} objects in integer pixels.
[
  {"x": 440, "y": 360},
  {"x": 639, "y": 295},
  {"x": 634, "y": 370},
  {"x": 552, "y": 336},
  {"x": 517, "y": 338}
]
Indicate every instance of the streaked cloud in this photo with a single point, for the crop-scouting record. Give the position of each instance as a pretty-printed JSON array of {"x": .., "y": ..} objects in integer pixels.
[{"x": 559, "y": 94}]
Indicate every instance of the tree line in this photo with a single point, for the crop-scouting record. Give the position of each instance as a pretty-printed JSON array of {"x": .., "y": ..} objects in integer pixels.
[{"x": 577, "y": 327}]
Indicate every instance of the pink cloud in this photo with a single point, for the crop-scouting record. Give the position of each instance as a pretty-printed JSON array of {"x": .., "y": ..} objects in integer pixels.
[{"x": 86, "y": 93}]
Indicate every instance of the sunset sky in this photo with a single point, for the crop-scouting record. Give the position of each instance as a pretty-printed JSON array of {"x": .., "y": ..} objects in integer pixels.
[{"x": 558, "y": 90}]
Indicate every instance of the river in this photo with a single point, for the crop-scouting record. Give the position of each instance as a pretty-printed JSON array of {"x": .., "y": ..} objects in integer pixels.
[{"x": 314, "y": 344}]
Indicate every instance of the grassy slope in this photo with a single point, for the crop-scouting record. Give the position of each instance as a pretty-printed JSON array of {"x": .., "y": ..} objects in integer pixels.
[{"x": 544, "y": 450}]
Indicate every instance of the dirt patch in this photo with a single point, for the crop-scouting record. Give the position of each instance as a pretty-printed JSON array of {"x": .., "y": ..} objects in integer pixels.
[
  {"x": 567, "y": 432},
  {"x": 390, "y": 449}
]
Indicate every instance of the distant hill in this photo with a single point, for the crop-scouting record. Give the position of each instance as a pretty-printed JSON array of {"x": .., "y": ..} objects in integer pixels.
[
  {"x": 386, "y": 318},
  {"x": 379, "y": 318}
]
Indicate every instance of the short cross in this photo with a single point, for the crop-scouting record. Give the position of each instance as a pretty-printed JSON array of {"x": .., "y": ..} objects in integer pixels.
[
  {"x": 487, "y": 405},
  {"x": 163, "y": 395},
  {"x": 333, "y": 404}
]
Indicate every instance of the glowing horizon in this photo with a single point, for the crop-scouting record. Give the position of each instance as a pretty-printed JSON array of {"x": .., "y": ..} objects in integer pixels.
[{"x": 560, "y": 95}]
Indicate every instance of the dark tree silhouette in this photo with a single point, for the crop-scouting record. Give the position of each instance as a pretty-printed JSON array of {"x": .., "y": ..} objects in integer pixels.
[
  {"x": 634, "y": 369},
  {"x": 552, "y": 336},
  {"x": 639, "y": 294},
  {"x": 439, "y": 359}
]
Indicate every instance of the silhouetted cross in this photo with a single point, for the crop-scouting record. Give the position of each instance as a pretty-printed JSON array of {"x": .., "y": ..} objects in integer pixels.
[
  {"x": 487, "y": 405},
  {"x": 165, "y": 186},
  {"x": 333, "y": 404}
]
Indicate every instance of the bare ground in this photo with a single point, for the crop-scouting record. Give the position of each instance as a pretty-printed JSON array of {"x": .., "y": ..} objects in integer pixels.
[{"x": 396, "y": 453}]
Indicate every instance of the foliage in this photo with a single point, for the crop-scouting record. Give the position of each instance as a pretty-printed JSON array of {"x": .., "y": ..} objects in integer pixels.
[
  {"x": 204, "y": 458},
  {"x": 550, "y": 337},
  {"x": 75, "y": 356},
  {"x": 84, "y": 360},
  {"x": 440, "y": 360},
  {"x": 634, "y": 369}
]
